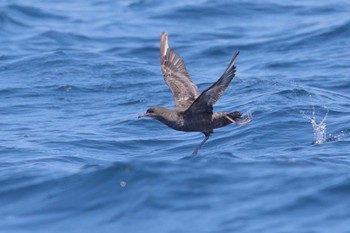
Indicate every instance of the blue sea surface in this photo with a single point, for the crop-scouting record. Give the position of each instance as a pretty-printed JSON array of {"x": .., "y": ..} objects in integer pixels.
[{"x": 74, "y": 157}]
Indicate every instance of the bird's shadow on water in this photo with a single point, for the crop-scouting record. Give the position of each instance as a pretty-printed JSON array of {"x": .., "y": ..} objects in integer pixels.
[{"x": 213, "y": 156}]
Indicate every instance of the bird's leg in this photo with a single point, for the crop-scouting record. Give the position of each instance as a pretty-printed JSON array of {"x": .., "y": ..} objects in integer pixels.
[
  {"x": 245, "y": 120},
  {"x": 230, "y": 119},
  {"x": 195, "y": 152}
]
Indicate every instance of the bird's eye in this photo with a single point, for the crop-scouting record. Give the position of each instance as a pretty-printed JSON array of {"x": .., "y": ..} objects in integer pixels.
[{"x": 150, "y": 111}]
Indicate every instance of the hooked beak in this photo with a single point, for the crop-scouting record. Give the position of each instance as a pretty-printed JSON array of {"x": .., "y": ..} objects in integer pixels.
[{"x": 144, "y": 115}]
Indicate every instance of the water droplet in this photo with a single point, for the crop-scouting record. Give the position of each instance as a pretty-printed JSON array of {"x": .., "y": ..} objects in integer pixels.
[{"x": 122, "y": 184}]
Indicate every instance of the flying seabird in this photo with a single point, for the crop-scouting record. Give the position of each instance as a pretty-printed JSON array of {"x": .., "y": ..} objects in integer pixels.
[{"x": 193, "y": 112}]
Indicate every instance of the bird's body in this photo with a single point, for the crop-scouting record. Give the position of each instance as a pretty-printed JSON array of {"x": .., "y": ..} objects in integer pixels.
[
  {"x": 193, "y": 112},
  {"x": 189, "y": 122}
]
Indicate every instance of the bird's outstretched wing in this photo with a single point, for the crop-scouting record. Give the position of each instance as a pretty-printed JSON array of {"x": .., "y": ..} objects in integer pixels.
[
  {"x": 205, "y": 102},
  {"x": 176, "y": 76}
]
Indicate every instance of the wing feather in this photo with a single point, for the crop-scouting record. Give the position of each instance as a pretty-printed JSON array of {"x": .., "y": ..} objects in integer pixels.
[
  {"x": 176, "y": 76},
  {"x": 205, "y": 102}
]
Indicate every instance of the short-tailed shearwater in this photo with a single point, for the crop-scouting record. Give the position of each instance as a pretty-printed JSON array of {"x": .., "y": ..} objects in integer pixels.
[{"x": 193, "y": 112}]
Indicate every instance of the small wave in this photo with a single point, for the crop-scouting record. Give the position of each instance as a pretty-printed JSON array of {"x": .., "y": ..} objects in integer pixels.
[
  {"x": 321, "y": 35},
  {"x": 7, "y": 19},
  {"x": 32, "y": 12},
  {"x": 61, "y": 39},
  {"x": 294, "y": 92}
]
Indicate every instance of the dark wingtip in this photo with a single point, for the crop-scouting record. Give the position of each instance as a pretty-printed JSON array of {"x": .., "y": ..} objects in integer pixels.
[
  {"x": 231, "y": 67},
  {"x": 235, "y": 57}
]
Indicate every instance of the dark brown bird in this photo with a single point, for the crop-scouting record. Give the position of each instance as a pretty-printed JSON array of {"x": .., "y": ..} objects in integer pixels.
[{"x": 193, "y": 112}]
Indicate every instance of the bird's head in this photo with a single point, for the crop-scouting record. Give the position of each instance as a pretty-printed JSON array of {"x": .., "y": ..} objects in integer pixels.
[{"x": 154, "y": 112}]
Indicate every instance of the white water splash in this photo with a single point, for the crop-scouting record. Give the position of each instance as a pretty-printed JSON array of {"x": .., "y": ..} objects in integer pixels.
[
  {"x": 338, "y": 137},
  {"x": 320, "y": 129}
]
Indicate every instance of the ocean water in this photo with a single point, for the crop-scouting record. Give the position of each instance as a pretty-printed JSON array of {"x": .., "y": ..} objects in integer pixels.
[{"x": 74, "y": 157}]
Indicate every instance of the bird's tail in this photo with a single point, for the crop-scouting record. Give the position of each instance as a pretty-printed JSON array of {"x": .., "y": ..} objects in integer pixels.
[{"x": 235, "y": 115}]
